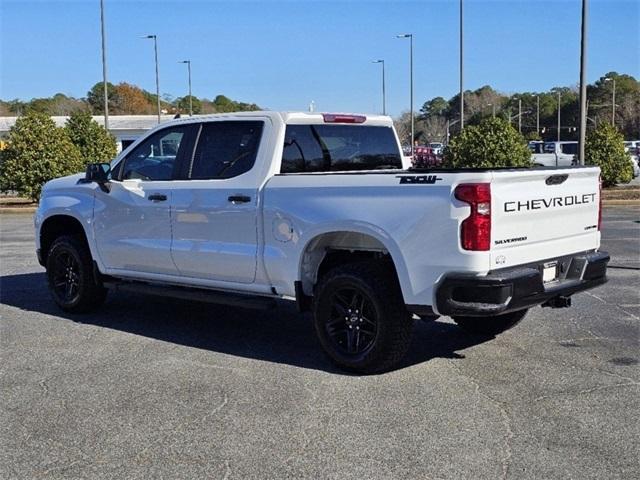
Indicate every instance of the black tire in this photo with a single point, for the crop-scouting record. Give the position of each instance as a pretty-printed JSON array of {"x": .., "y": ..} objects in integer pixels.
[
  {"x": 370, "y": 331},
  {"x": 490, "y": 325},
  {"x": 70, "y": 275}
]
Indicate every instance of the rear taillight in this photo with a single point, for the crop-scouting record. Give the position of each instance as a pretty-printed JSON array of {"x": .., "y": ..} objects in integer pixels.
[
  {"x": 475, "y": 231},
  {"x": 600, "y": 203}
]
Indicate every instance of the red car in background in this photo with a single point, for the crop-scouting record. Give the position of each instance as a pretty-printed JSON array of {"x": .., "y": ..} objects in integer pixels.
[{"x": 424, "y": 157}]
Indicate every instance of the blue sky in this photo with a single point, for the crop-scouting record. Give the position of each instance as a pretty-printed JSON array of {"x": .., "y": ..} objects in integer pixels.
[{"x": 283, "y": 54}]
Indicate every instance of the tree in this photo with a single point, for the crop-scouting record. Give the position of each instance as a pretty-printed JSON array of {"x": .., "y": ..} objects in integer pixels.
[
  {"x": 604, "y": 147},
  {"x": 93, "y": 141},
  {"x": 132, "y": 100},
  {"x": 182, "y": 104},
  {"x": 492, "y": 143},
  {"x": 224, "y": 104},
  {"x": 437, "y": 106},
  {"x": 37, "y": 152},
  {"x": 95, "y": 97},
  {"x": 64, "y": 105},
  {"x": 403, "y": 128}
]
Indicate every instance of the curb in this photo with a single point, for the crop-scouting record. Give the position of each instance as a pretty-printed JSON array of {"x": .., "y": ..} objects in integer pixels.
[
  {"x": 17, "y": 211},
  {"x": 620, "y": 202}
]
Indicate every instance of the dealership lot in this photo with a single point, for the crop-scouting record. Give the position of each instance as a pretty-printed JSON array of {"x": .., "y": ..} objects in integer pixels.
[{"x": 151, "y": 386}]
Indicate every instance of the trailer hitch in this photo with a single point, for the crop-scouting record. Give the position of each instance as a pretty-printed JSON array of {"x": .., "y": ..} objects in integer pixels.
[{"x": 558, "y": 302}]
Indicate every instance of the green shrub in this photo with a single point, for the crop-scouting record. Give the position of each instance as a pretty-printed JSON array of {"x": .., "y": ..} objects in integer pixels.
[
  {"x": 604, "y": 147},
  {"x": 37, "y": 151},
  {"x": 94, "y": 142},
  {"x": 491, "y": 143}
]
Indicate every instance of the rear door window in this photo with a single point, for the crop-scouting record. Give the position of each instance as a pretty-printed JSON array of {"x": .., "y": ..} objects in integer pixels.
[
  {"x": 226, "y": 149},
  {"x": 569, "y": 148},
  {"x": 327, "y": 148}
]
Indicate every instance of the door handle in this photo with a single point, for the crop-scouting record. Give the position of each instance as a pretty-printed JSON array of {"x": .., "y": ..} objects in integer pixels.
[
  {"x": 157, "y": 197},
  {"x": 239, "y": 199}
]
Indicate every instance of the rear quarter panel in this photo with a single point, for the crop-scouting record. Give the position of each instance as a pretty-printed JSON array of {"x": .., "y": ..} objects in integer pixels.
[{"x": 418, "y": 224}]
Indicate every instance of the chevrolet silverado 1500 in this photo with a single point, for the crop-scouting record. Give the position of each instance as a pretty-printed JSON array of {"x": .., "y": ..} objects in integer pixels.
[{"x": 248, "y": 208}]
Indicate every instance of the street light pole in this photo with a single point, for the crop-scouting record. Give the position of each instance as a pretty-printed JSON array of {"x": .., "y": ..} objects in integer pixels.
[
  {"x": 449, "y": 124},
  {"x": 104, "y": 68},
  {"x": 613, "y": 102},
  {"x": 188, "y": 62},
  {"x": 520, "y": 115},
  {"x": 155, "y": 49},
  {"x": 583, "y": 85},
  {"x": 493, "y": 109},
  {"x": 613, "y": 99},
  {"x": 537, "y": 114},
  {"x": 384, "y": 95},
  {"x": 461, "y": 70},
  {"x": 558, "y": 116},
  {"x": 410, "y": 37}
]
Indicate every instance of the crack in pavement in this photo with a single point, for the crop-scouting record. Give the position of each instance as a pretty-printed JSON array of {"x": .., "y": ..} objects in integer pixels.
[
  {"x": 506, "y": 460},
  {"x": 635, "y": 317},
  {"x": 181, "y": 426},
  {"x": 227, "y": 472},
  {"x": 588, "y": 390}
]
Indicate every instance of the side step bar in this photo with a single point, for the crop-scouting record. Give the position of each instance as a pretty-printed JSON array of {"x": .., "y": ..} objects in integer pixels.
[{"x": 254, "y": 302}]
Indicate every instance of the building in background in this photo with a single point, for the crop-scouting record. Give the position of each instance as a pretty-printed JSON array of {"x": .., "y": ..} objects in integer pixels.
[{"x": 125, "y": 128}]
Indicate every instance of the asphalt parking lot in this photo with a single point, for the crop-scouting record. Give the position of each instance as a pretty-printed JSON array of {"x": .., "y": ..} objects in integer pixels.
[{"x": 151, "y": 387}]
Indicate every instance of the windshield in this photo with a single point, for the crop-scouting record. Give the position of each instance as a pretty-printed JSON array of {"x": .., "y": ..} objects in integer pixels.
[{"x": 325, "y": 148}]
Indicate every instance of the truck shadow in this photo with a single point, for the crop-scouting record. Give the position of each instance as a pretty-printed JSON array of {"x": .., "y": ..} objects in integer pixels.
[{"x": 280, "y": 336}]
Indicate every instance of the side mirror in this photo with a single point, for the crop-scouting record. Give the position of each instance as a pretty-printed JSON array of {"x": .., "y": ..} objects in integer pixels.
[{"x": 99, "y": 173}]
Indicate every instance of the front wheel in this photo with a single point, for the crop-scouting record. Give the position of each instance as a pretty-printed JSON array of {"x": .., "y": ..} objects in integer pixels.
[
  {"x": 70, "y": 274},
  {"x": 360, "y": 317},
  {"x": 490, "y": 325}
]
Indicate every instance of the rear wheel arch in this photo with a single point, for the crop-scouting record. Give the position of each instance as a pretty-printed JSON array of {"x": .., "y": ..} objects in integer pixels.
[{"x": 331, "y": 249}]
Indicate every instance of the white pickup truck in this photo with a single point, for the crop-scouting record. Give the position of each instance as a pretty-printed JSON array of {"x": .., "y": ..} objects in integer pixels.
[
  {"x": 553, "y": 154},
  {"x": 248, "y": 208}
]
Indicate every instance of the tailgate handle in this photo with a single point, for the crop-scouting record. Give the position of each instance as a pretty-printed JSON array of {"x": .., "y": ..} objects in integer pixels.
[{"x": 556, "y": 179}]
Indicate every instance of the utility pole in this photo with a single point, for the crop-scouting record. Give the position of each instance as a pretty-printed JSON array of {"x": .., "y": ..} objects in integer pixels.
[
  {"x": 188, "y": 62},
  {"x": 613, "y": 104},
  {"x": 558, "y": 115},
  {"x": 520, "y": 115},
  {"x": 461, "y": 71},
  {"x": 613, "y": 100},
  {"x": 104, "y": 68},
  {"x": 155, "y": 49},
  {"x": 583, "y": 85},
  {"x": 538, "y": 114},
  {"x": 384, "y": 95},
  {"x": 410, "y": 37}
]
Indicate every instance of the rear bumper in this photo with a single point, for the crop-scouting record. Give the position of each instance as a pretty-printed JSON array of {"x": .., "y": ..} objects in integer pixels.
[{"x": 512, "y": 289}]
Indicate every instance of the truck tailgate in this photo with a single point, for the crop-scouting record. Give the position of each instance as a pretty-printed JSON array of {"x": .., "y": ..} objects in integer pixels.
[{"x": 543, "y": 213}]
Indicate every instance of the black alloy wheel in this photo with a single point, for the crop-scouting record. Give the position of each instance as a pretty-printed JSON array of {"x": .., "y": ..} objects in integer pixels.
[
  {"x": 70, "y": 273},
  {"x": 66, "y": 277},
  {"x": 353, "y": 323},
  {"x": 360, "y": 317}
]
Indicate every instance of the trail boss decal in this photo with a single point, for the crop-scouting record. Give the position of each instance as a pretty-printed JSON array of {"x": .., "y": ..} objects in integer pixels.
[
  {"x": 540, "y": 203},
  {"x": 421, "y": 179}
]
